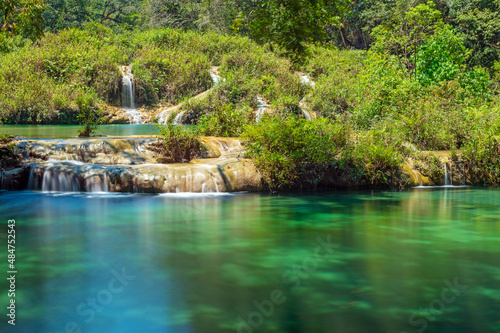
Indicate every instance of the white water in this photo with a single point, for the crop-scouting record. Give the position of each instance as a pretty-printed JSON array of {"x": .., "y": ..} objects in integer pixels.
[
  {"x": 215, "y": 78},
  {"x": 95, "y": 183},
  {"x": 420, "y": 183},
  {"x": 164, "y": 115},
  {"x": 305, "y": 79},
  {"x": 128, "y": 96},
  {"x": 447, "y": 178},
  {"x": 60, "y": 181},
  {"x": 306, "y": 113},
  {"x": 178, "y": 118},
  {"x": 262, "y": 106}
]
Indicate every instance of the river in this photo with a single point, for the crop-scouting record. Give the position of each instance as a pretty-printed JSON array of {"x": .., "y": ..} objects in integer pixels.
[{"x": 370, "y": 261}]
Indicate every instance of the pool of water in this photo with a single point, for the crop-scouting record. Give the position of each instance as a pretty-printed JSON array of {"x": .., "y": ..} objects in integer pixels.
[
  {"x": 71, "y": 131},
  {"x": 411, "y": 261}
]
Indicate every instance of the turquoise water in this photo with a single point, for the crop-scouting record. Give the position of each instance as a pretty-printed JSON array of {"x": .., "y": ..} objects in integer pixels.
[
  {"x": 70, "y": 131},
  {"x": 328, "y": 262}
]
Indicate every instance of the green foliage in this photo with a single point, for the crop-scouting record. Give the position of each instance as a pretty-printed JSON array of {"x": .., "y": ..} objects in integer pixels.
[
  {"x": 61, "y": 14},
  {"x": 22, "y": 17},
  {"x": 225, "y": 121},
  {"x": 479, "y": 25},
  {"x": 163, "y": 76},
  {"x": 42, "y": 83},
  {"x": 373, "y": 162},
  {"x": 294, "y": 153},
  {"x": 89, "y": 117},
  {"x": 337, "y": 82},
  {"x": 481, "y": 156},
  {"x": 403, "y": 35},
  {"x": 441, "y": 58},
  {"x": 6, "y": 138},
  {"x": 291, "y": 24},
  {"x": 178, "y": 144}
]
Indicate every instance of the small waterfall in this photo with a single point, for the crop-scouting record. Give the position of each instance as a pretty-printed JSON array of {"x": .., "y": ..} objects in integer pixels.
[
  {"x": 262, "y": 106},
  {"x": 417, "y": 177},
  {"x": 60, "y": 181},
  {"x": 215, "y": 78},
  {"x": 306, "y": 80},
  {"x": 178, "y": 118},
  {"x": 95, "y": 183},
  {"x": 447, "y": 177},
  {"x": 128, "y": 95},
  {"x": 308, "y": 115}
]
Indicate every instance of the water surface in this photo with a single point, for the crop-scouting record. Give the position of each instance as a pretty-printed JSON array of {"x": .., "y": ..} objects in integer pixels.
[
  {"x": 198, "y": 263},
  {"x": 71, "y": 131}
]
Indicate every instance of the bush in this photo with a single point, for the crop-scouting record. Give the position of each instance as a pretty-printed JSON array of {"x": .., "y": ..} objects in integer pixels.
[
  {"x": 89, "y": 117},
  {"x": 177, "y": 144},
  {"x": 294, "y": 153},
  {"x": 481, "y": 157},
  {"x": 41, "y": 83},
  {"x": 225, "y": 121},
  {"x": 164, "y": 76}
]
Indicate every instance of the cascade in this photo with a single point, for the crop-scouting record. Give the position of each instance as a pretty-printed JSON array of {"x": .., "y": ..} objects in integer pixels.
[
  {"x": 178, "y": 118},
  {"x": 447, "y": 176},
  {"x": 308, "y": 115},
  {"x": 60, "y": 181},
  {"x": 417, "y": 177},
  {"x": 262, "y": 106},
  {"x": 306, "y": 80},
  {"x": 129, "y": 165},
  {"x": 128, "y": 95}
]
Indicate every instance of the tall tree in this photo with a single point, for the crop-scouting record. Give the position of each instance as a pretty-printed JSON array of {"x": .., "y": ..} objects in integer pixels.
[
  {"x": 403, "y": 35},
  {"x": 291, "y": 24},
  {"x": 22, "y": 17}
]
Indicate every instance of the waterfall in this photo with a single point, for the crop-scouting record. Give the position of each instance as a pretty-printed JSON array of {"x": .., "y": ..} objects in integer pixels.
[
  {"x": 447, "y": 177},
  {"x": 308, "y": 115},
  {"x": 178, "y": 118},
  {"x": 417, "y": 177},
  {"x": 60, "y": 181},
  {"x": 95, "y": 183},
  {"x": 306, "y": 80},
  {"x": 128, "y": 95},
  {"x": 262, "y": 106}
]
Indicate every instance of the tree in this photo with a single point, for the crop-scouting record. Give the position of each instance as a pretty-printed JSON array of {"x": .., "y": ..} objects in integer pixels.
[
  {"x": 22, "y": 17},
  {"x": 89, "y": 117},
  {"x": 291, "y": 24},
  {"x": 403, "y": 35},
  {"x": 441, "y": 58},
  {"x": 75, "y": 13}
]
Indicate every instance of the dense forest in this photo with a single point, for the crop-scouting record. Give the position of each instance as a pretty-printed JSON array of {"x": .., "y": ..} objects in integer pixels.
[{"x": 392, "y": 78}]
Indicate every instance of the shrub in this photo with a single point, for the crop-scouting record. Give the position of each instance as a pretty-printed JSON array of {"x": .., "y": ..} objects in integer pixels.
[
  {"x": 163, "y": 76},
  {"x": 481, "y": 157},
  {"x": 89, "y": 117},
  {"x": 41, "y": 83},
  {"x": 177, "y": 144},
  {"x": 294, "y": 153},
  {"x": 225, "y": 121}
]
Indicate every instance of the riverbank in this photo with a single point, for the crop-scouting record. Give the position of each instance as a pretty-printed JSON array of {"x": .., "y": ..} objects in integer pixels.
[{"x": 126, "y": 164}]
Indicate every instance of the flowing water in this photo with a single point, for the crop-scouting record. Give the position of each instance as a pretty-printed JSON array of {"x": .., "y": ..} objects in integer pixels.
[
  {"x": 128, "y": 95},
  {"x": 262, "y": 108},
  {"x": 411, "y": 261}
]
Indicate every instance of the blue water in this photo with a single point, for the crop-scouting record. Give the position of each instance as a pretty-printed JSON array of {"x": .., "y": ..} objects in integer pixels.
[
  {"x": 255, "y": 263},
  {"x": 71, "y": 131}
]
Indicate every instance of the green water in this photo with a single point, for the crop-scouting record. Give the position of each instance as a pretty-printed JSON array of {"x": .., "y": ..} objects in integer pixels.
[
  {"x": 71, "y": 131},
  {"x": 196, "y": 263}
]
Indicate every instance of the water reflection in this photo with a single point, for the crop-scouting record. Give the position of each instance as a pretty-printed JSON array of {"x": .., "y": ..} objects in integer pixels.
[{"x": 200, "y": 263}]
